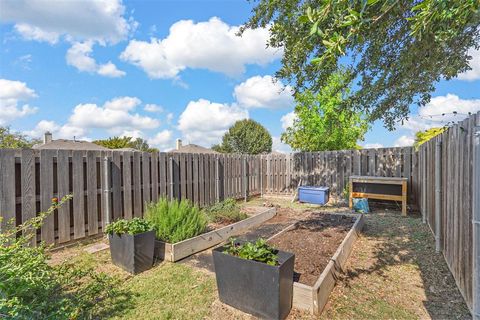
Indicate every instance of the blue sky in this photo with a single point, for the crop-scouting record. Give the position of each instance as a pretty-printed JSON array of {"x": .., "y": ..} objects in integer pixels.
[{"x": 162, "y": 70}]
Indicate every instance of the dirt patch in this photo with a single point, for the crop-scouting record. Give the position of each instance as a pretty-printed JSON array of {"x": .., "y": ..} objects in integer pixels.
[{"x": 313, "y": 241}]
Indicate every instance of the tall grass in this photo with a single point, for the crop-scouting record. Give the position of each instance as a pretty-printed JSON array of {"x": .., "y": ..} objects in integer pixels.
[
  {"x": 175, "y": 220},
  {"x": 226, "y": 211}
]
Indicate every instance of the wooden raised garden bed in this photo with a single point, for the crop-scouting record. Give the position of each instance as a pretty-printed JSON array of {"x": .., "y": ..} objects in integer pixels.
[
  {"x": 312, "y": 286},
  {"x": 177, "y": 251}
]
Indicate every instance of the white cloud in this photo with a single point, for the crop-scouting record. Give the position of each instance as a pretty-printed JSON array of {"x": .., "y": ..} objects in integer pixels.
[
  {"x": 110, "y": 70},
  {"x": 123, "y": 103},
  {"x": 11, "y": 92},
  {"x": 474, "y": 73},
  {"x": 79, "y": 56},
  {"x": 279, "y": 146},
  {"x": 404, "y": 141},
  {"x": 373, "y": 145},
  {"x": 440, "y": 111},
  {"x": 287, "y": 120},
  {"x": 65, "y": 131},
  {"x": 115, "y": 116},
  {"x": 162, "y": 140},
  {"x": 151, "y": 107},
  {"x": 45, "y": 20},
  {"x": 29, "y": 32},
  {"x": 204, "y": 122},
  {"x": 263, "y": 92},
  {"x": 211, "y": 45}
]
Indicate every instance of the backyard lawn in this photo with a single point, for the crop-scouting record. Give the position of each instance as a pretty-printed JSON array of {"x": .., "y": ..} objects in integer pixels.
[{"x": 393, "y": 272}]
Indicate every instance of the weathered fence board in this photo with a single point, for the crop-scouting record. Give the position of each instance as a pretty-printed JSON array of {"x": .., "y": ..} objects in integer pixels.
[{"x": 456, "y": 198}]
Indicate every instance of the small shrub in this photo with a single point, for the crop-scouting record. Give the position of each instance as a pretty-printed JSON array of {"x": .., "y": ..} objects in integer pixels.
[
  {"x": 133, "y": 226},
  {"x": 175, "y": 220},
  {"x": 30, "y": 288},
  {"x": 259, "y": 251},
  {"x": 226, "y": 211}
]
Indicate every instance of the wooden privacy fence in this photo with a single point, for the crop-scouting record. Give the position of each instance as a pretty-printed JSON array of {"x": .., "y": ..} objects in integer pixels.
[
  {"x": 108, "y": 185},
  {"x": 446, "y": 197},
  {"x": 282, "y": 173}
]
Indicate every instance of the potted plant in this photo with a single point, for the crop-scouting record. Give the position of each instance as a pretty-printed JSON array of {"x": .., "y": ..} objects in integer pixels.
[
  {"x": 131, "y": 244},
  {"x": 255, "y": 278}
]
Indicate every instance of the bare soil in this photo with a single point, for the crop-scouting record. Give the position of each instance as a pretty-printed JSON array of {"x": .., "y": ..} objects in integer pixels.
[{"x": 313, "y": 240}]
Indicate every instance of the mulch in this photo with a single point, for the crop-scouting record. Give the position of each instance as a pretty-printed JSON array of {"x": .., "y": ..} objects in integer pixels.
[{"x": 313, "y": 240}]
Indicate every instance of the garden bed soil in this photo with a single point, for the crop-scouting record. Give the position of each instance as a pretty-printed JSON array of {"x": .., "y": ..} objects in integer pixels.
[{"x": 313, "y": 240}]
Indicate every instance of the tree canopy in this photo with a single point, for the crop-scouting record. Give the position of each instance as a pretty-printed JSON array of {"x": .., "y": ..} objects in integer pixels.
[
  {"x": 247, "y": 137},
  {"x": 396, "y": 49},
  {"x": 15, "y": 140},
  {"x": 320, "y": 124},
  {"x": 423, "y": 136},
  {"x": 125, "y": 142}
]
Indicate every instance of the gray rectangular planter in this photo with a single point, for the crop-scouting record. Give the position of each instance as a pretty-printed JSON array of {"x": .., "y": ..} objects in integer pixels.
[
  {"x": 254, "y": 287},
  {"x": 133, "y": 253}
]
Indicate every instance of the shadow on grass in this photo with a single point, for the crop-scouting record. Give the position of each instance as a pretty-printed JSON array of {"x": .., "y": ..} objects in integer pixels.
[{"x": 405, "y": 241}]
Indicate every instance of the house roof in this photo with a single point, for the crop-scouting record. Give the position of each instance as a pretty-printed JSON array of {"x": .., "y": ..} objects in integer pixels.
[
  {"x": 193, "y": 148},
  {"x": 69, "y": 145}
]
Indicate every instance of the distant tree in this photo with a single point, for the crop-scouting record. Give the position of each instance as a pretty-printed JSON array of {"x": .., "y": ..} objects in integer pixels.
[
  {"x": 115, "y": 142},
  {"x": 247, "y": 137},
  {"x": 125, "y": 142},
  {"x": 321, "y": 124},
  {"x": 142, "y": 145},
  {"x": 423, "y": 136},
  {"x": 15, "y": 140}
]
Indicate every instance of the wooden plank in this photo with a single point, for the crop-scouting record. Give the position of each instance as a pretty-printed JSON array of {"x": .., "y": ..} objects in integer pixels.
[
  {"x": 154, "y": 175},
  {"x": 196, "y": 191},
  {"x": 146, "y": 184},
  {"x": 137, "y": 188},
  {"x": 7, "y": 188},
  {"x": 63, "y": 182},
  {"x": 116, "y": 185},
  {"x": 78, "y": 195},
  {"x": 183, "y": 176},
  {"x": 189, "y": 164},
  {"x": 163, "y": 174},
  {"x": 92, "y": 193},
  {"x": 127, "y": 185},
  {"x": 201, "y": 180},
  {"x": 29, "y": 204},
  {"x": 46, "y": 194}
]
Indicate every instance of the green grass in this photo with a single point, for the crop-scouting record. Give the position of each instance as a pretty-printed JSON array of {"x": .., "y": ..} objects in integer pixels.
[{"x": 170, "y": 291}]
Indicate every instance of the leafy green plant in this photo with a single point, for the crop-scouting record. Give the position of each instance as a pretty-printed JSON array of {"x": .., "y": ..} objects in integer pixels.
[
  {"x": 175, "y": 220},
  {"x": 31, "y": 288},
  {"x": 133, "y": 226},
  {"x": 258, "y": 251},
  {"x": 226, "y": 211}
]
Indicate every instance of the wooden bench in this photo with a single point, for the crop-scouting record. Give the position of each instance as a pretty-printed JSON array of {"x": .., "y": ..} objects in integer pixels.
[{"x": 381, "y": 188}]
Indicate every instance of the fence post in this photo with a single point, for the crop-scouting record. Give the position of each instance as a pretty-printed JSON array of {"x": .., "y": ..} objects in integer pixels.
[
  {"x": 217, "y": 180},
  {"x": 424, "y": 184},
  {"x": 245, "y": 179},
  {"x": 476, "y": 220},
  {"x": 438, "y": 193},
  {"x": 106, "y": 191},
  {"x": 172, "y": 183},
  {"x": 261, "y": 175}
]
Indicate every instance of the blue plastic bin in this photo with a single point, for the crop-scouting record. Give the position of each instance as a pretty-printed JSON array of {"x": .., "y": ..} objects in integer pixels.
[{"x": 315, "y": 195}]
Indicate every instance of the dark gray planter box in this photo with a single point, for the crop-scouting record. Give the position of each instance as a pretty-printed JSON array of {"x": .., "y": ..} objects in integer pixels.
[
  {"x": 254, "y": 287},
  {"x": 133, "y": 253}
]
